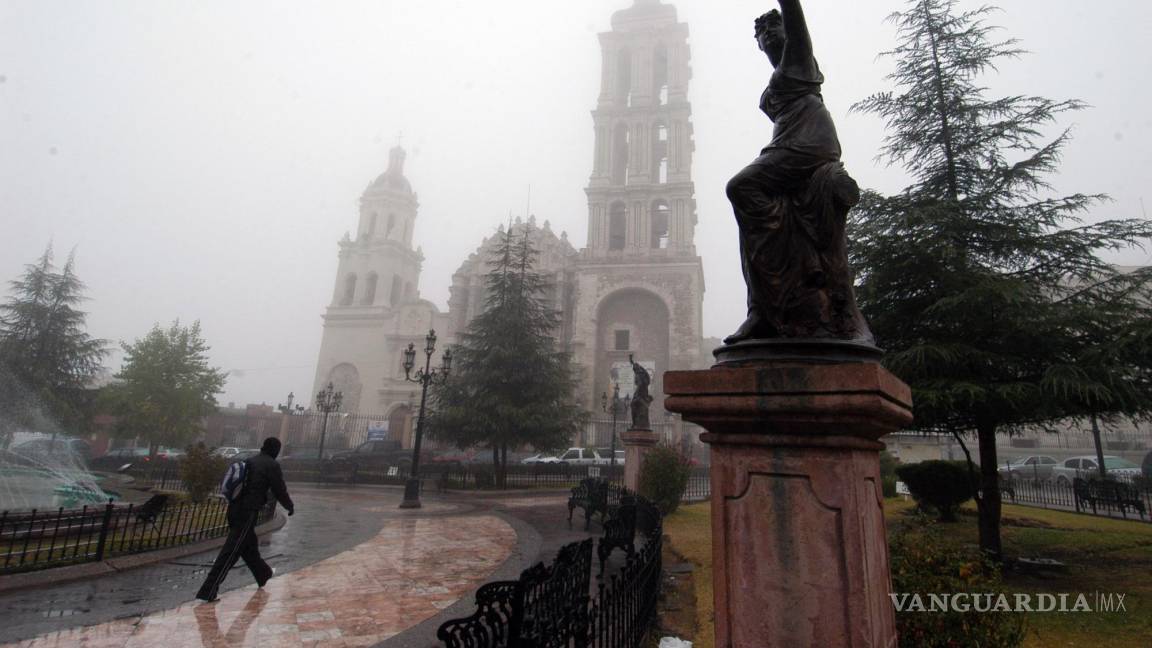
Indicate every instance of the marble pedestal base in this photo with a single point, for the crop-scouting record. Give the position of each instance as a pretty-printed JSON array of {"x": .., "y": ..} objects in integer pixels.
[
  {"x": 637, "y": 443},
  {"x": 800, "y": 556}
]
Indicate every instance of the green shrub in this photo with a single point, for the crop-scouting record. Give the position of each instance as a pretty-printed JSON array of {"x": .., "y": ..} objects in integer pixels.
[
  {"x": 663, "y": 478},
  {"x": 922, "y": 563},
  {"x": 888, "y": 465},
  {"x": 942, "y": 485},
  {"x": 201, "y": 472}
]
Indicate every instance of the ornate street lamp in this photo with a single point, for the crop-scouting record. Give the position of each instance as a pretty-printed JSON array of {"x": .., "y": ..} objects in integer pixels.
[
  {"x": 424, "y": 377},
  {"x": 327, "y": 401},
  {"x": 616, "y": 404}
]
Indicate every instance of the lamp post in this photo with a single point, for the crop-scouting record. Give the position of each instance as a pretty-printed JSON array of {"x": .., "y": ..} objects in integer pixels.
[
  {"x": 328, "y": 400},
  {"x": 287, "y": 411},
  {"x": 615, "y": 404},
  {"x": 424, "y": 377}
]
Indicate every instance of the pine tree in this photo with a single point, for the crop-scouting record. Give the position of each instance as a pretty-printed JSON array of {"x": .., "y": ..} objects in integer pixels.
[
  {"x": 512, "y": 384},
  {"x": 986, "y": 289},
  {"x": 165, "y": 387},
  {"x": 47, "y": 359}
]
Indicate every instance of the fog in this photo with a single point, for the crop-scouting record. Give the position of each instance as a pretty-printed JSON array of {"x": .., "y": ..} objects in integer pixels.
[{"x": 204, "y": 158}]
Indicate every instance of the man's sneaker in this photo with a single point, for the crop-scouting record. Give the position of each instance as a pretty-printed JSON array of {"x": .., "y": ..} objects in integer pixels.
[{"x": 267, "y": 579}]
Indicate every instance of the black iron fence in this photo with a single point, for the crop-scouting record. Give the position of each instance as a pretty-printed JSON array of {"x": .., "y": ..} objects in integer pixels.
[
  {"x": 40, "y": 539},
  {"x": 1111, "y": 498},
  {"x": 551, "y": 606},
  {"x": 699, "y": 487}
]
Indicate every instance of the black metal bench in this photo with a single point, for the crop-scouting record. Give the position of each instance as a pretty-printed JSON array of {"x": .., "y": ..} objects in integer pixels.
[
  {"x": 595, "y": 495},
  {"x": 591, "y": 494},
  {"x": 1108, "y": 493},
  {"x": 619, "y": 530},
  {"x": 150, "y": 510}
]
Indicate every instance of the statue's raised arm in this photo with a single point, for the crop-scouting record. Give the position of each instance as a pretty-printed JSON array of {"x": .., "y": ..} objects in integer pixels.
[{"x": 791, "y": 204}]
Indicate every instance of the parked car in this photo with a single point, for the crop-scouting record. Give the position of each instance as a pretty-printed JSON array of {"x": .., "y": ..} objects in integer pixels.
[
  {"x": 55, "y": 450},
  {"x": 380, "y": 454},
  {"x": 1033, "y": 467},
  {"x": 119, "y": 457},
  {"x": 1085, "y": 467},
  {"x": 304, "y": 454},
  {"x": 227, "y": 451},
  {"x": 540, "y": 458},
  {"x": 590, "y": 457},
  {"x": 169, "y": 454}
]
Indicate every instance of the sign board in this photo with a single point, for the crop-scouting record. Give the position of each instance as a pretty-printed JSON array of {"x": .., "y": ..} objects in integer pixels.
[
  {"x": 621, "y": 372},
  {"x": 593, "y": 471},
  {"x": 393, "y": 471},
  {"x": 377, "y": 431},
  {"x": 902, "y": 489}
]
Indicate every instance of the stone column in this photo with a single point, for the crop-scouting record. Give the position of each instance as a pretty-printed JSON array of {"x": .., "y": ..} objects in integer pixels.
[
  {"x": 799, "y": 552},
  {"x": 637, "y": 443}
]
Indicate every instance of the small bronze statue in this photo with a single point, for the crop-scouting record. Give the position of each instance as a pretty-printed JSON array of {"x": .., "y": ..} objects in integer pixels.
[
  {"x": 792, "y": 202},
  {"x": 641, "y": 399}
]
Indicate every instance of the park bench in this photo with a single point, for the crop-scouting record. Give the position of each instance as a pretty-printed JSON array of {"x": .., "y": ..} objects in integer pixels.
[
  {"x": 1108, "y": 493},
  {"x": 150, "y": 510},
  {"x": 595, "y": 495},
  {"x": 619, "y": 530}
]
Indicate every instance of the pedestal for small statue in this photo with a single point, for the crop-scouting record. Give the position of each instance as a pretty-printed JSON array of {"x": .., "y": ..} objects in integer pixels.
[
  {"x": 637, "y": 444},
  {"x": 799, "y": 553}
]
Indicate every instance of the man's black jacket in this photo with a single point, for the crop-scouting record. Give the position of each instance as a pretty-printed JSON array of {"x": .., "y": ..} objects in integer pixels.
[{"x": 263, "y": 475}]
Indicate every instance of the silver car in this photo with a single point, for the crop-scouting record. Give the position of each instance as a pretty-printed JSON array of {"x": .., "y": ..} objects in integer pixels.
[{"x": 1085, "y": 467}]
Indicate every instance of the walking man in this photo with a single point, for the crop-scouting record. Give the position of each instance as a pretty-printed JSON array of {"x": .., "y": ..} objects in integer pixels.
[{"x": 263, "y": 474}]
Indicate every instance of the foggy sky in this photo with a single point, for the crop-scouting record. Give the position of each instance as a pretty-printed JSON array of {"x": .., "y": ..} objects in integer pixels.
[{"x": 203, "y": 158}]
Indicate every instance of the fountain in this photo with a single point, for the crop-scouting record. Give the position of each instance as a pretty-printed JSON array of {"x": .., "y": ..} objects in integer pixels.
[{"x": 41, "y": 481}]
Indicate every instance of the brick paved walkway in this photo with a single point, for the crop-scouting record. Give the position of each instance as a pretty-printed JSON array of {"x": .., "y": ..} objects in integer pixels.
[{"x": 352, "y": 570}]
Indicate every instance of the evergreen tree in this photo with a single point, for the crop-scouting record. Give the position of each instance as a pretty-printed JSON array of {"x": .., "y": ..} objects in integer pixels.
[
  {"x": 511, "y": 384},
  {"x": 166, "y": 386},
  {"x": 47, "y": 359},
  {"x": 986, "y": 289}
]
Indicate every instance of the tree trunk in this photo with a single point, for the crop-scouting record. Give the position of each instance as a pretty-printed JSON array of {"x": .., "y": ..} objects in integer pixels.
[
  {"x": 989, "y": 501},
  {"x": 495, "y": 463},
  {"x": 1101, "y": 468},
  {"x": 503, "y": 465}
]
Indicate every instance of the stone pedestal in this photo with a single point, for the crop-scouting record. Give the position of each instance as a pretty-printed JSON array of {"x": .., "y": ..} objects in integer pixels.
[
  {"x": 799, "y": 553},
  {"x": 637, "y": 443}
]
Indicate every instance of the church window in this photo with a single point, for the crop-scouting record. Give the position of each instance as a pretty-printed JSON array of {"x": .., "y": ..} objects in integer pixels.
[
  {"x": 372, "y": 224},
  {"x": 660, "y": 224},
  {"x": 660, "y": 153},
  {"x": 394, "y": 294},
  {"x": 660, "y": 74},
  {"x": 617, "y": 227},
  {"x": 623, "y": 341},
  {"x": 624, "y": 76},
  {"x": 620, "y": 155},
  {"x": 349, "y": 290},
  {"x": 369, "y": 297}
]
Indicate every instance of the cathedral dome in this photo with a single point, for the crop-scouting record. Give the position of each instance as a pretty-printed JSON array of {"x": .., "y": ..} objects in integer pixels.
[{"x": 393, "y": 179}]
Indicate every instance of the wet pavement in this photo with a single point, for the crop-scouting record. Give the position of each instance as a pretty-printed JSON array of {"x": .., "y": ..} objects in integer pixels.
[{"x": 353, "y": 570}]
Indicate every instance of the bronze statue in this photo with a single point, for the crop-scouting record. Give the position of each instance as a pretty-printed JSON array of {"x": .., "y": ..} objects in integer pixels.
[
  {"x": 641, "y": 399},
  {"x": 791, "y": 203}
]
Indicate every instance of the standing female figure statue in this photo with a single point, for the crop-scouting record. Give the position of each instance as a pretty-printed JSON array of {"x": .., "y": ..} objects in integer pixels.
[{"x": 791, "y": 203}]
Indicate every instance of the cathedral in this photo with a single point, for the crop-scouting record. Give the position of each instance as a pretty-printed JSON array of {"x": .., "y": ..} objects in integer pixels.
[{"x": 636, "y": 287}]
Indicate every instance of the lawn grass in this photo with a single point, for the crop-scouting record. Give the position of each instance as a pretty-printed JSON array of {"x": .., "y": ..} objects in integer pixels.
[{"x": 1101, "y": 554}]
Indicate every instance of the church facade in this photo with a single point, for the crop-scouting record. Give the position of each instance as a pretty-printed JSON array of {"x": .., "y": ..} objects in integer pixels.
[{"x": 635, "y": 289}]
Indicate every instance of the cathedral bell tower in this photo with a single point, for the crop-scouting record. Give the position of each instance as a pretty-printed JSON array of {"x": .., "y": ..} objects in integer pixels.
[
  {"x": 640, "y": 283},
  {"x": 376, "y": 279}
]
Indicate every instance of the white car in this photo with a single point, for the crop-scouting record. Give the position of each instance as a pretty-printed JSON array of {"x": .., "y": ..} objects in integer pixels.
[
  {"x": 1085, "y": 467},
  {"x": 591, "y": 457},
  {"x": 540, "y": 458},
  {"x": 227, "y": 451},
  {"x": 1034, "y": 467}
]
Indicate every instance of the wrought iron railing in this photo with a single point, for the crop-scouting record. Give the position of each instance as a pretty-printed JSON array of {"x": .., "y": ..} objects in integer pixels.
[
  {"x": 41, "y": 539},
  {"x": 551, "y": 606}
]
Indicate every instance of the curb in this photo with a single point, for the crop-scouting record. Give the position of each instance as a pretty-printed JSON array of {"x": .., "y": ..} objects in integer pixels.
[{"x": 57, "y": 575}]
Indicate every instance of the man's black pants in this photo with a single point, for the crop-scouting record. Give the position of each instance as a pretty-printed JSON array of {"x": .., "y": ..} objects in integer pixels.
[{"x": 241, "y": 543}]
